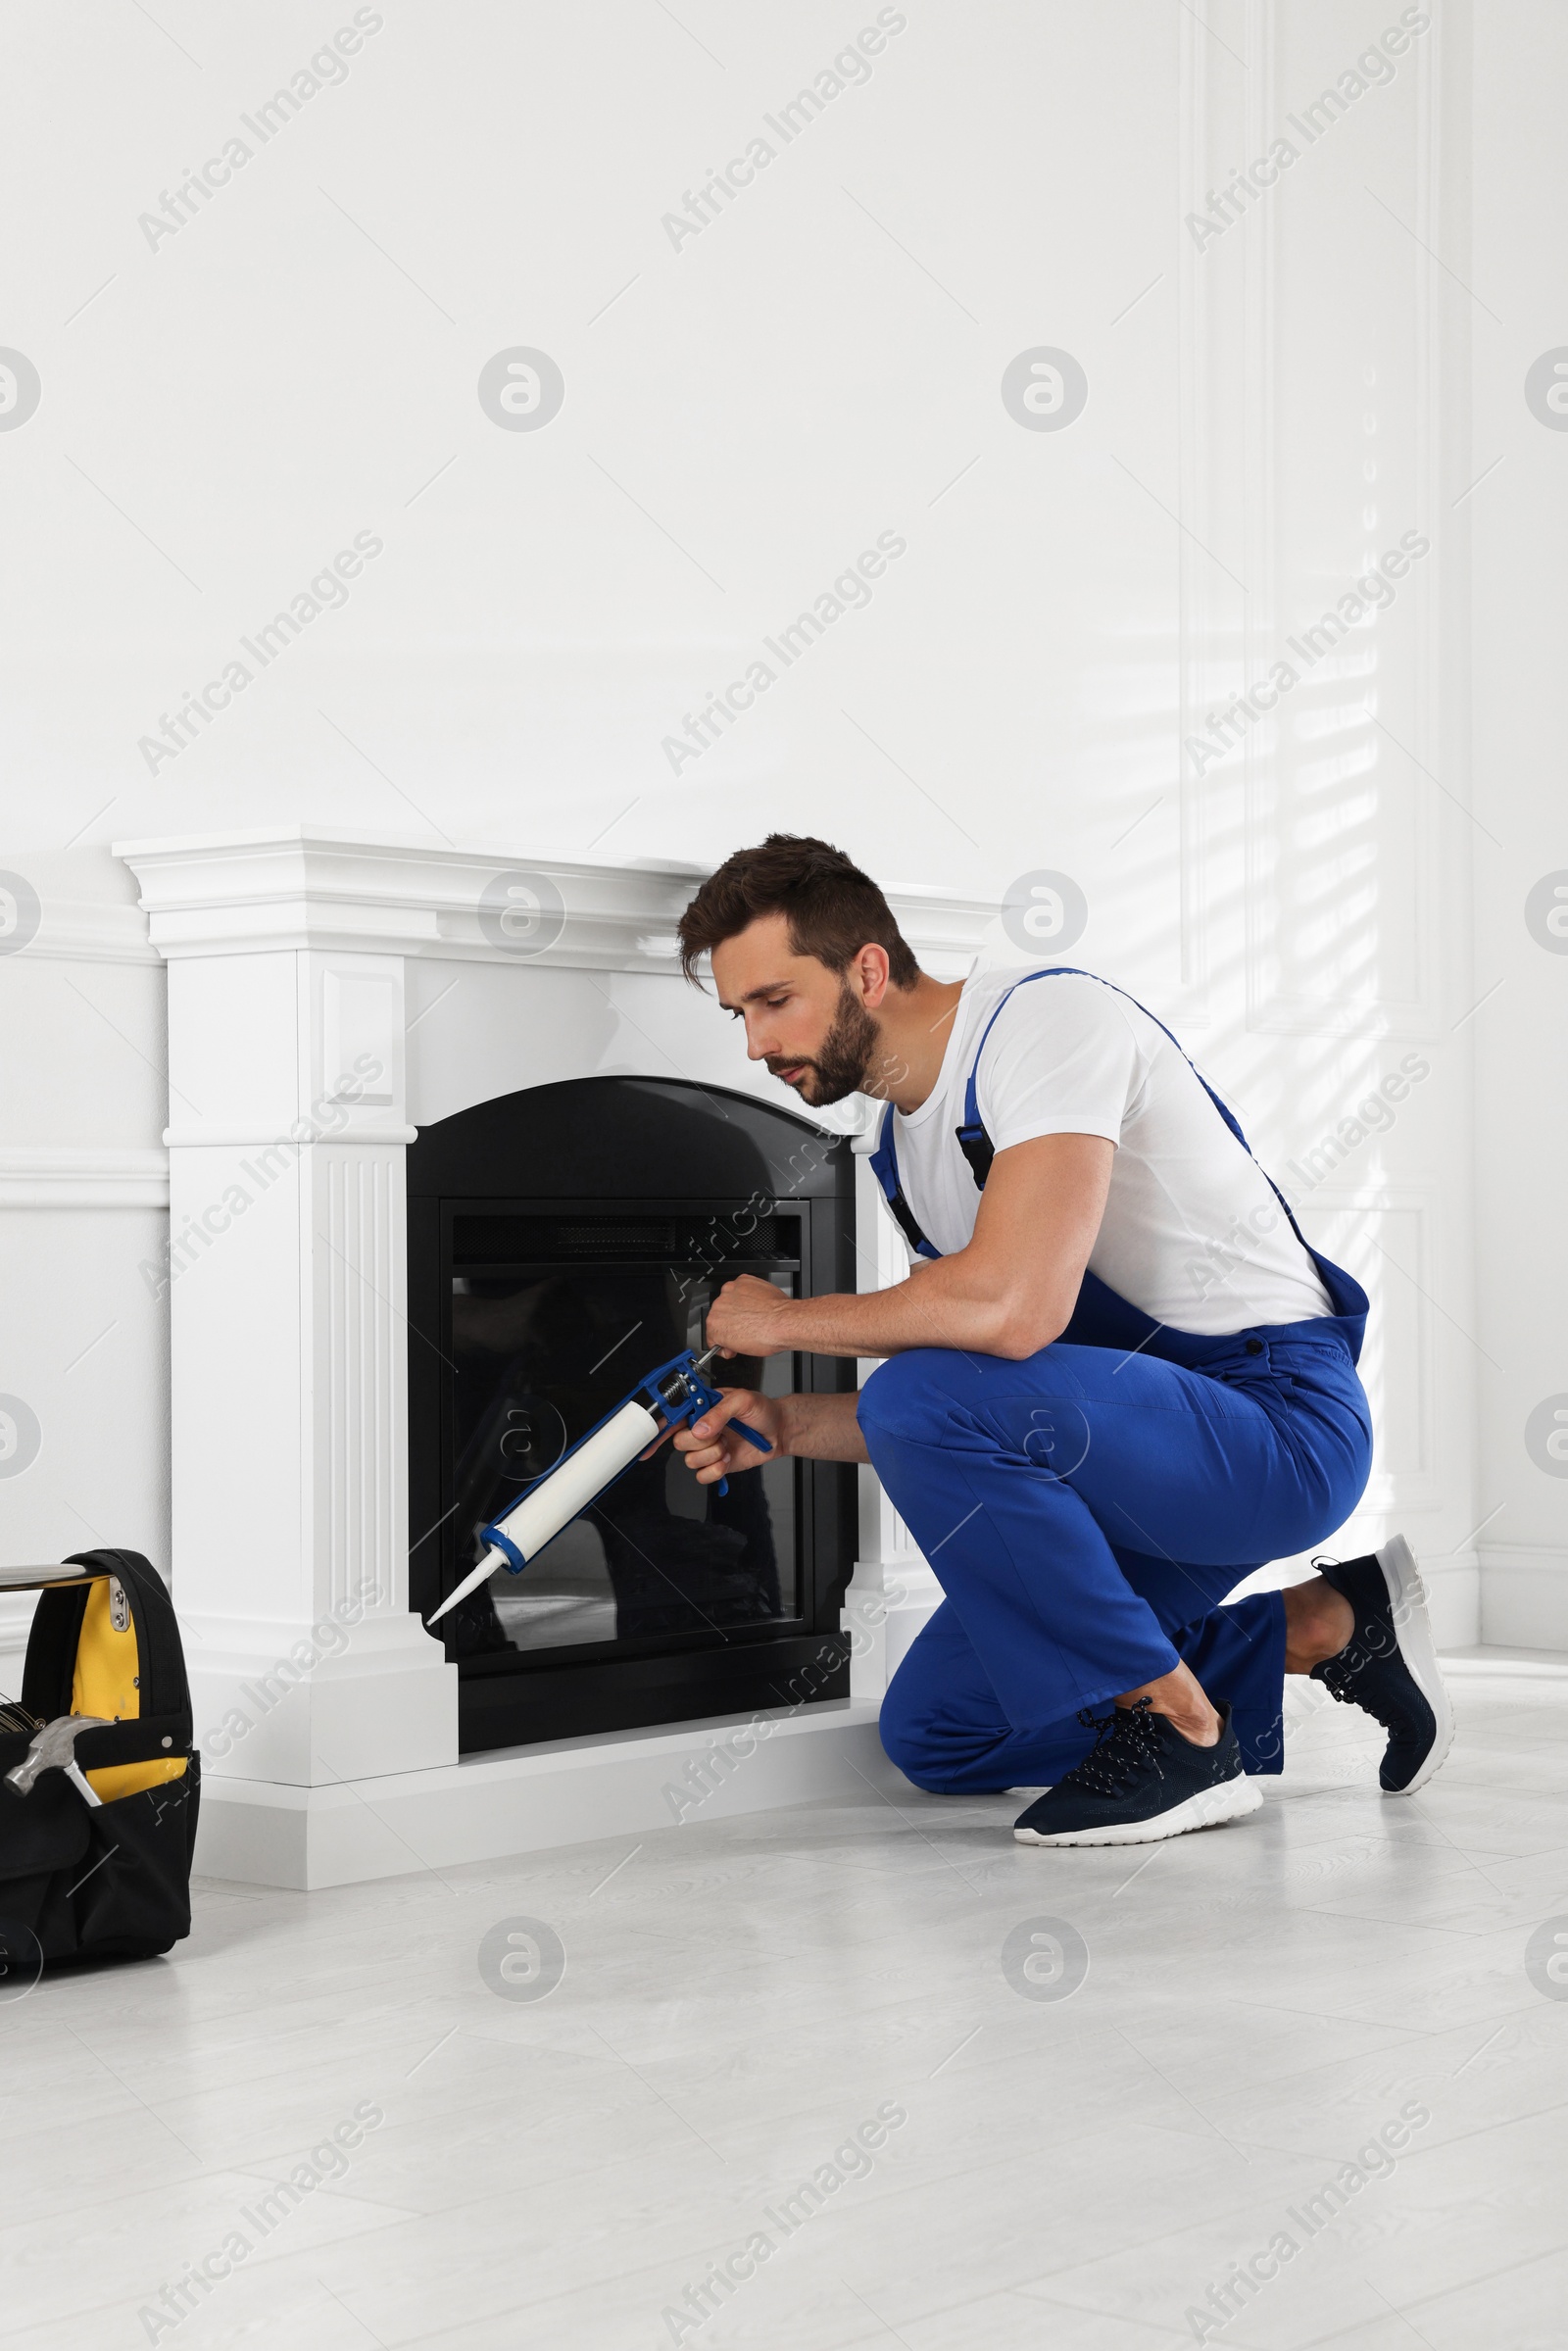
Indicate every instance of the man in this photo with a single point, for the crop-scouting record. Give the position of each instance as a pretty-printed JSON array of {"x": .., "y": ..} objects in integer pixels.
[{"x": 1116, "y": 1382}]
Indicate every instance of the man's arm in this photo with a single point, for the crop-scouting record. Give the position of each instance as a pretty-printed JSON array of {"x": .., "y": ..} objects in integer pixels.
[
  {"x": 816, "y": 1428},
  {"x": 1010, "y": 1293}
]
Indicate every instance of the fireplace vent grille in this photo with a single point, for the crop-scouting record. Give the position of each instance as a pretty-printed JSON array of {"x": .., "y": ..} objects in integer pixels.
[{"x": 663, "y": 1239}]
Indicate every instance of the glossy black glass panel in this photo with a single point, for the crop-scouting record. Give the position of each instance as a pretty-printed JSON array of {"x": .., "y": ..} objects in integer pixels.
[{"x": 540, "y": 1355}]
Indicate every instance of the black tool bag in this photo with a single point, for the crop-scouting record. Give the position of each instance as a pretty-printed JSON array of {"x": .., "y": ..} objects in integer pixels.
[{"x": 112, "y": 1882}]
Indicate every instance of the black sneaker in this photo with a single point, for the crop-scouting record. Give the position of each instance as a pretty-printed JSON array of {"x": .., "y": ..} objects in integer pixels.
[
  {"x": 1389, "y": 1667},
  {"x": 1141, "y": 1781}
]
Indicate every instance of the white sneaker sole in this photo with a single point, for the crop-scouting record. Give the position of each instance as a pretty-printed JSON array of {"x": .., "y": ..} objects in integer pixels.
[
  {"x": 1412, "y": 1628},
  {"x": 1210, "y": 1808}
]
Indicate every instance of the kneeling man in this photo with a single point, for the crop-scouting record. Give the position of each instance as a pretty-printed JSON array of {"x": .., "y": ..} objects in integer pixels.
[{"x": 1118, "y": 1382}]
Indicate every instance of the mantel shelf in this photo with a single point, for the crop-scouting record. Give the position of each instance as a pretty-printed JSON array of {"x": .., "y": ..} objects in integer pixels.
[{"x": 290, "y": 886}]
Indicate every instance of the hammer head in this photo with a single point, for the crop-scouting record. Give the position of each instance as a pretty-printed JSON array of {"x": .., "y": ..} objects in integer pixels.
[{"x": 53, "y": 1749}]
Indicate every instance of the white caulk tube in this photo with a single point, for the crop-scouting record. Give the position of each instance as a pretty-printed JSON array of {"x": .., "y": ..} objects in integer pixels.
[{"x": 557, "y": 1499}]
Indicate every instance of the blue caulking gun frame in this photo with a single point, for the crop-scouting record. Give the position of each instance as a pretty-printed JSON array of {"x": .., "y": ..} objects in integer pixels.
[{"x": 591, "y": 1466}]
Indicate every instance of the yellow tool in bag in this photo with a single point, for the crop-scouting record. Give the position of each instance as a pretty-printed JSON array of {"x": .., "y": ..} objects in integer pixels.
[
  {"x": 107, "y": 1682},
  {"x": 99, "y": 1775}
]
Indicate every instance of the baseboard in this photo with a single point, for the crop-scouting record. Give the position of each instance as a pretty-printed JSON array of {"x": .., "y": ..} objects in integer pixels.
[
  {"x": 1524, "y": 1596},
  {"x": 1453, "y": 1600},
  {"x": 529, "y": 1800}
]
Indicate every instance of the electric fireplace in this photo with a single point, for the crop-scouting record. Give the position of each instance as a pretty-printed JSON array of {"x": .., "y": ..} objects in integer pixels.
[{"x": 563, "y": 1241}]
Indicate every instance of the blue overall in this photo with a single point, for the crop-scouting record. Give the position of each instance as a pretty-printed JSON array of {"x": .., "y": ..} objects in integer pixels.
[{"x": 1085, "y": 1510}]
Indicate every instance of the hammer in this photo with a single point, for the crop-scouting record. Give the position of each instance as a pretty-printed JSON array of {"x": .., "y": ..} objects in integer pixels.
[{"x": 54, "y": 1750}]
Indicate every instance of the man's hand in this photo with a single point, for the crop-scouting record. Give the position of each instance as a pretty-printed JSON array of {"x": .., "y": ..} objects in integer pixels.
[
  {"x": 748, "y": 1317},
  {"x": 713, "y": 1451}
]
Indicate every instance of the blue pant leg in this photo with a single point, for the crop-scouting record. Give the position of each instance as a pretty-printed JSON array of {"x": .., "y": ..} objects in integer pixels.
[
  {"x": 1236, "y": 1649},
  {"x": 942, "y": 1724},
  {"x": 1237, "y": 1653},
  {"x": 1025, "y": 1485},
  {"x": 1031, "y": 1577}
]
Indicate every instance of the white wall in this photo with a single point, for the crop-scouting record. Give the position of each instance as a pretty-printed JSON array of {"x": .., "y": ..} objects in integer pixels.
[
  {"x": 1266, "y": 416},
  {"x": 1519, "y": 527},
  {"x": 1324, "y": 917},
  {"x": 83, "y": 1200}
]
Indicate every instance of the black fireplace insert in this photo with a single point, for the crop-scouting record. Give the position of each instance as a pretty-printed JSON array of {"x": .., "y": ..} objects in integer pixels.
[{"x": 562, "y": 1242}]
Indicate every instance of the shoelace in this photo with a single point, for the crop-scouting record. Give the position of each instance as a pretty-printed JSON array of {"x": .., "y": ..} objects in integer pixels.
[
  {"x": 1124, "y": 1745},
  {"x": 1354, "y": 1686},
  {"x": 1343, "y": 1679}
]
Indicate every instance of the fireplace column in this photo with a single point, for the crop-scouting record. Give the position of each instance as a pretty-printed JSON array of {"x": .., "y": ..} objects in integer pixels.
[{"x": 286, "y": 1283}]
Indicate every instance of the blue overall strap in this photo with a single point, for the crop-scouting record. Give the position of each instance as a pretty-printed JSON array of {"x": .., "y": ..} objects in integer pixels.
[
  {"x": 973, "y": 1141},
  {"x": 885, "y": 1168},
  {"x": 978, "y": 1149}
]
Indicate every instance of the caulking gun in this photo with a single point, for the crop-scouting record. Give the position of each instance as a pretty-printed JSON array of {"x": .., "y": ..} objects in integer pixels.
[{"x": 677, "y": 1390}]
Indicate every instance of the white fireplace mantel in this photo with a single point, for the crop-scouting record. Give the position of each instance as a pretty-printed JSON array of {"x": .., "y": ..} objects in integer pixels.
[
  {"x": 328, "y": 1715},
  {"x": 291, "y": 887}
]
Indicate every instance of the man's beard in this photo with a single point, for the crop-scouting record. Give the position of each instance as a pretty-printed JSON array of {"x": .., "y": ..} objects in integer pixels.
[{"x": 845, "y": 1054}]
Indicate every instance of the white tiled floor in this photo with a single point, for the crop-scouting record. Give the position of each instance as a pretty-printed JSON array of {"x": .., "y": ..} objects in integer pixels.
[{"x": 739, "y": 1996}]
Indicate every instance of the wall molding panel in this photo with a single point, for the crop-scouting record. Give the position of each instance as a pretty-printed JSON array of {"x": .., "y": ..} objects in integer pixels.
[{"x": 62, "y": 1176}]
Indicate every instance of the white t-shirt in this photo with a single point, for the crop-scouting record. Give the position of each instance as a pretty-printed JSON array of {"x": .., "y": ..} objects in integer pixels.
[{"x": 1193, "y": 1232}]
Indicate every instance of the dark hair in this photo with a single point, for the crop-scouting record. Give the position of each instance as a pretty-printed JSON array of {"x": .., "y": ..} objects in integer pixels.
[{"x": 832, "y": 907}]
